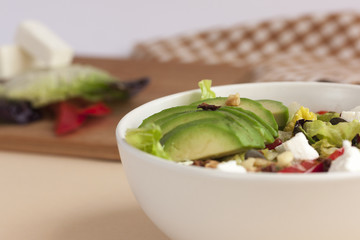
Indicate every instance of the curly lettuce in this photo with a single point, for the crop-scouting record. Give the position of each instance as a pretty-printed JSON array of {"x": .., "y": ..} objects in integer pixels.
[
  {"x": 147, "y": 139},
  {"x": 326, "y": 117},
  {"x": 335, "y": 134},
  {"x": 331, "y": 136},
  {"x": 205, "y": 87}
]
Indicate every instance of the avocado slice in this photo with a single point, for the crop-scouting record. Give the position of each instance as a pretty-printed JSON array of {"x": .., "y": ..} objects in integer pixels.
[
  {"x": 207, "y": 138},
  {"x": 169, "y": 112},
  {"x": 247, "y": 104},
  {"x": 251, "y": 121},
  {"x": 170, "y": 122},
  {"x": 279, "y": 110},
  {"x": 253, "y": 129},
  {"x": 252, "y": 115}
]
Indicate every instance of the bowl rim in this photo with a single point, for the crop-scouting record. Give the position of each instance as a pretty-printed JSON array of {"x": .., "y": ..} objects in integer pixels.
[{"x": 213, "y": 173}]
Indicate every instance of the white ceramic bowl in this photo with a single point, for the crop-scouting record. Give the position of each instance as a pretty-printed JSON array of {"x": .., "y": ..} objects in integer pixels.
[{"x": 193, "y": 203}]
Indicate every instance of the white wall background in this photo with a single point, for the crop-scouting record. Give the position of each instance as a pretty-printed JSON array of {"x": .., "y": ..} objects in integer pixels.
[{"x": 112, "y": 27}]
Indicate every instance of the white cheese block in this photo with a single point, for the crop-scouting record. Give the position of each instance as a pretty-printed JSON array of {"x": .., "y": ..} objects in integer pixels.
[
  {"x": 231, "y": 166},
  {"x": 349, "y": 161},
  {"x": 47, "y": 49},
  {"x": 350, "y": 115},
  {"x": 300, "y": 148},
  {"x": 13, "y": 61}
]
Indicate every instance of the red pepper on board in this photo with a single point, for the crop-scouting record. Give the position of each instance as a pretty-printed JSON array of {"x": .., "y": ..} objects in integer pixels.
[{"x": 71, "y": 117}]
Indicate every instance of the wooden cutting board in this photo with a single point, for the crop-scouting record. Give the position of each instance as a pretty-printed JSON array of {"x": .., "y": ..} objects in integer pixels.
[{"x": 97, "y": 138}]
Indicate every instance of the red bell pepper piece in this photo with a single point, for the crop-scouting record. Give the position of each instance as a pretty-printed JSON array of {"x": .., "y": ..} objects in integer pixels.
[
  {"x": 98, "y": 109},
  {"x": 321, "y": 165},
  {"x": 70, "y": 117},
  {"x": 305, "y": 167},
  {"x": 337, "y": 153},
  {"x": 322, "y": 112}
]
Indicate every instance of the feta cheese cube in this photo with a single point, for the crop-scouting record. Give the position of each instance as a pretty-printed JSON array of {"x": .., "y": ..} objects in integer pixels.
[
  {"x": 300, "y": 148},
  {"x": 43, "y": 45},
  {"x": 350, "y": 115},
  {"x": 13, "y": 61},
  {"x": 231, "y": 166},
  {"x": 349, "y": 161}
]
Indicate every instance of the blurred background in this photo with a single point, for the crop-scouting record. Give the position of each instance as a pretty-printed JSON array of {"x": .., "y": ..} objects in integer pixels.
[
  {"x": 112, "y": 27},
  {"x": 60, "y": 187}
]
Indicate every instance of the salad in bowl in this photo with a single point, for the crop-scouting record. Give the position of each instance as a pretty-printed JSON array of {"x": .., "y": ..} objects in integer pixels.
[{"x": 239, "y": 134}]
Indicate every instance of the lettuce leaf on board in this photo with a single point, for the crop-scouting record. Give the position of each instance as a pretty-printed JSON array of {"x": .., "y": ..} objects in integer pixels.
[{"x": 44, "y": 87}]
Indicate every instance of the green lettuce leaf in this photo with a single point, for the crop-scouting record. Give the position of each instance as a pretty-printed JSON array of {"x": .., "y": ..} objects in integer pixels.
[
  {"x": 44, "y": 87},
  {"x": 324, "y": 148},
  {"x": 334, "y": 134},
  {"x": 326, "y": 117},
  {"x": 147, "y": 139},
  {"x": 206, "y": 92}
]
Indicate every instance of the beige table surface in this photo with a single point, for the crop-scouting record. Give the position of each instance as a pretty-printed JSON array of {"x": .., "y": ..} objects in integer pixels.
[{"x": 47, "y": 197}]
